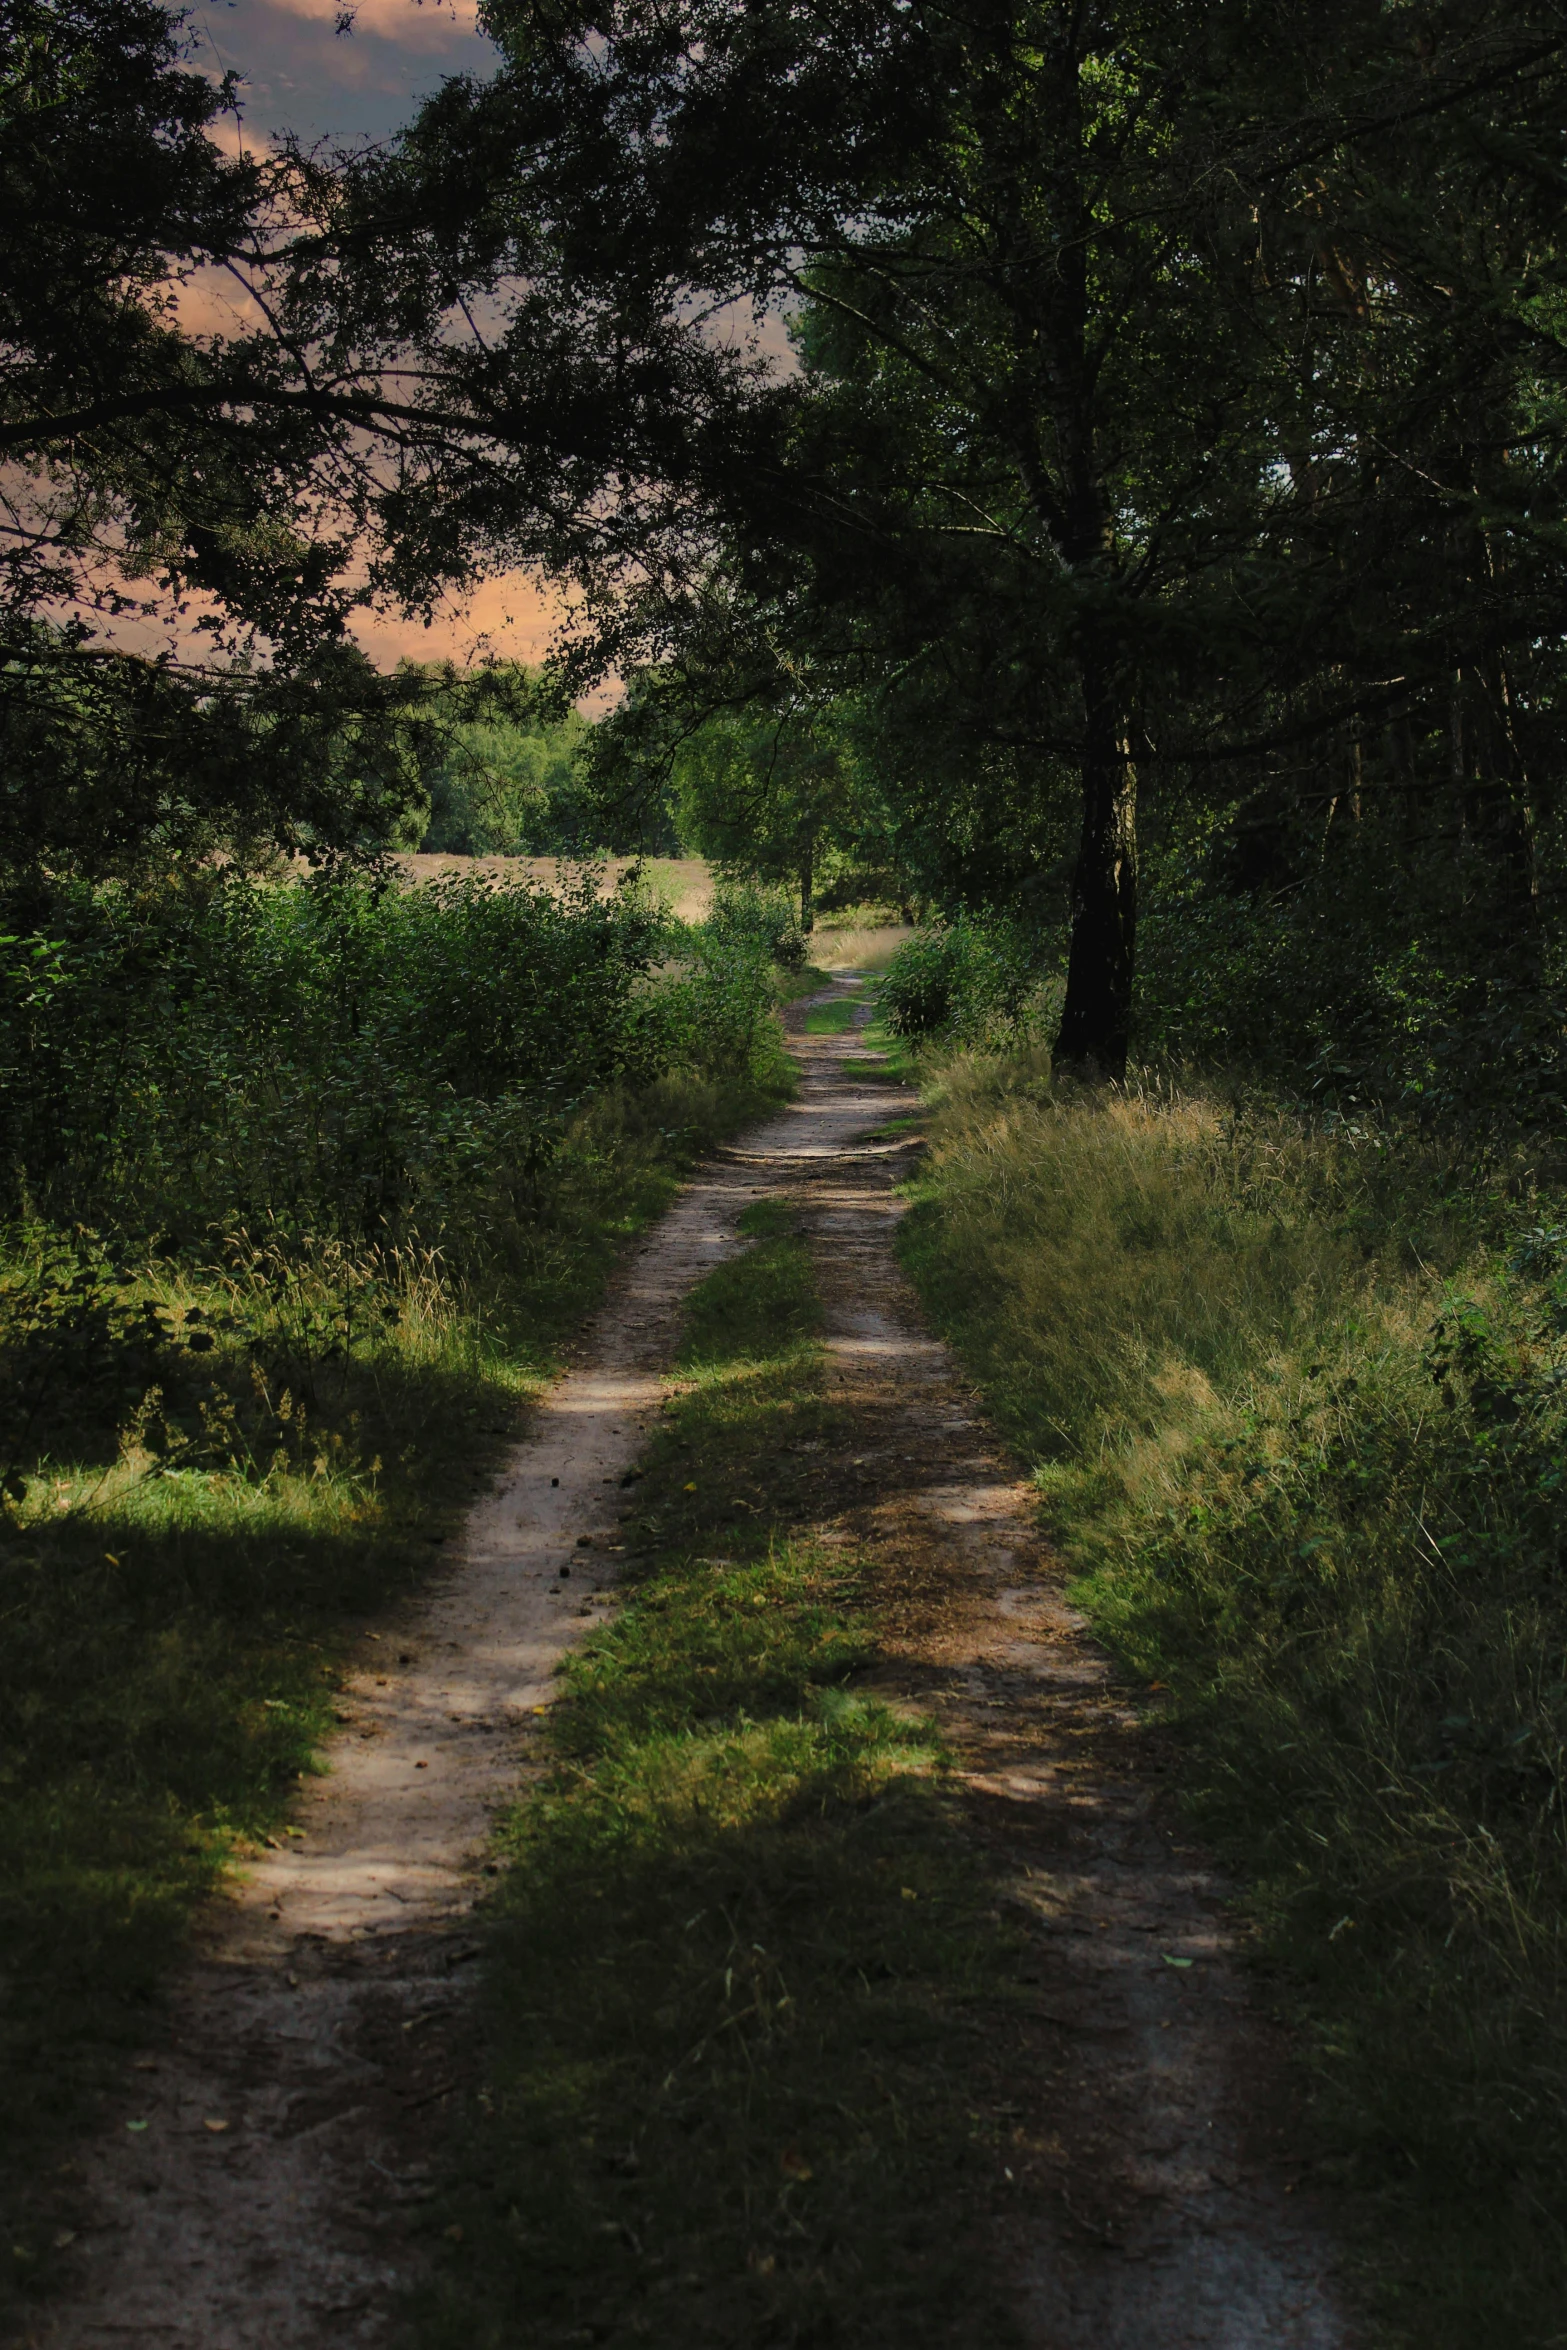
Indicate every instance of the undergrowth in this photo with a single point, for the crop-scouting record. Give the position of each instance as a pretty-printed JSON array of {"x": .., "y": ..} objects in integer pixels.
[
  {"x": 228, "y": 1442},
  {"x": 1297, "y": 1409},
  {"x": 740, "y": 1968}
]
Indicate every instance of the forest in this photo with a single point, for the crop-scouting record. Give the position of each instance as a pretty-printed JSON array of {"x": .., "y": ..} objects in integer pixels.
[{"x": 1078, "y": 489}]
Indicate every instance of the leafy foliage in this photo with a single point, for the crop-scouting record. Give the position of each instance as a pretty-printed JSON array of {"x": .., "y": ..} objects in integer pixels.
[
  {"x": 1153, "y": 365},
  {"x": 1360, "y": 970},
  {"x": 971, "y": 981},
  {"x": 747, "y": 917},
  {"x": 310, "y": 1182},
  {"x": 338, "y": 1057},
  {"x": 507, "y": 775}
]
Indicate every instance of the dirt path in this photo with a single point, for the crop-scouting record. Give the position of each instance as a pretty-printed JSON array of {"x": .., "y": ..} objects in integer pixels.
[
  {"x": 256, "y": 2187},
  {"x": 1155, "y": 2204}
]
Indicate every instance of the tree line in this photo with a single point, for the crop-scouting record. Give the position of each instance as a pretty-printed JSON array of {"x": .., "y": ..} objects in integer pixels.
[{"x": 1046, "y": 442}]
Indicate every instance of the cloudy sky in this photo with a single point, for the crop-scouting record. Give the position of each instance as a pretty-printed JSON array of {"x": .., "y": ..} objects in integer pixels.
[{"x": 298, "y": 73}]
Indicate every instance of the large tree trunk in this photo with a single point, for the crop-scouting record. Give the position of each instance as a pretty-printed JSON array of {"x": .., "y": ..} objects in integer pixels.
[
  {"x": 1096, "y": 1017},
  {"x": 808, "y": 886},
  {"x": 1512, "y": 816}
]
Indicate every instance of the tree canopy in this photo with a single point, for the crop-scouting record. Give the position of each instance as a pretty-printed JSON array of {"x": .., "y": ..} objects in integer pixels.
[
  {"x": 234, "y": 414},
  {"x": 1149, "y": 362},
  {"x": 1169, "y": 412}
]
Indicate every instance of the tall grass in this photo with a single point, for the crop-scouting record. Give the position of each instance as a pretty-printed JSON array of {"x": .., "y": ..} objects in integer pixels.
[{"x": 1298, "y": 1414}]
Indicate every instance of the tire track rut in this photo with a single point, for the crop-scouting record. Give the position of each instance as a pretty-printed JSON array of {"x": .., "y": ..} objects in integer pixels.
[{"x": 257, "y": 2182}]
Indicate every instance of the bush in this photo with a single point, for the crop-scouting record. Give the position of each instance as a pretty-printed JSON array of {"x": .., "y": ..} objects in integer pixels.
[
  {"x": 1362, "y": 982},
  {"x": 971, "y": 980},
  {"x": 754, "y": 919},
  {"x": 307, "y": 1185},
  {"x": 338, "y": 1057},
  {"x": 714, "y": 1010},
  {"x": 270, "y": 1129}
]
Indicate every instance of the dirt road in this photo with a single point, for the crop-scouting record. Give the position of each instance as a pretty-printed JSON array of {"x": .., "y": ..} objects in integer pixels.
[
  {"x": 1157, "y": 2204},
  {"x": 255, "y": 2187}
]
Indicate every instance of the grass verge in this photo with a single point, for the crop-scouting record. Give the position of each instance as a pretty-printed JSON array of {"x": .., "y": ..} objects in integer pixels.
[
  {"x": 231, "y": 1467},
  {"x": 743, "y": 1970},
  {"x": 1297, "y": 1419},
  {"x": 791, "y": 981},
  {"x": 831, "y": 1019}
]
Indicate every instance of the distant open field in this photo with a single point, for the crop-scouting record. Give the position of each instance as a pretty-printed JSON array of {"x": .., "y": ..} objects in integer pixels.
[
  {"x": 684, "y": 883},
  {"x": 854, "y": 939}
]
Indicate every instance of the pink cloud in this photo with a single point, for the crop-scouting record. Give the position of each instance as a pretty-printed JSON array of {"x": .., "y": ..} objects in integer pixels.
[
  {"x": 412, "y": 24},
  {"x": 515, "y": 618}
]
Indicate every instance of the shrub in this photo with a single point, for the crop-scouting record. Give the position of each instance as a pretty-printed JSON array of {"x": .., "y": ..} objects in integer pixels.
[
  {"x": 339, "y": 1057},
  {"x": 748, "y": 917},
  {"x": 972, "y": 981},
  {"x": 1360, "y": 983}
]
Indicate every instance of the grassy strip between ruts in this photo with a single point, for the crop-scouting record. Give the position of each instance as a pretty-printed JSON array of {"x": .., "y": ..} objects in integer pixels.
[
  {"x": 833, "y": 1019},
  {"x": 1297, "y": 1415},
  {"x": 798, "y": 980},
  {"x": 213, "y": 1527},
  {"x": 743, "y": 1962}
]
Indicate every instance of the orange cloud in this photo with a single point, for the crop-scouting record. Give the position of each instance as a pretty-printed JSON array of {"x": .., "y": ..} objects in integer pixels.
[
  {"x": 214, "y": 302},
  {"x": 514, "y": 617}
]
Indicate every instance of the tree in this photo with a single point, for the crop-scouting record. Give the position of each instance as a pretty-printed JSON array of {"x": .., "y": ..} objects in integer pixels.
[
  {"x": 111, "y": 763},
  {"x": 1077, "y": 291},
  {"x": 769, "y": 793},
  {"x": 190, "y": 517},
  {"x": 1013, "y": 364},
  {"x": 505, "y": 776}
]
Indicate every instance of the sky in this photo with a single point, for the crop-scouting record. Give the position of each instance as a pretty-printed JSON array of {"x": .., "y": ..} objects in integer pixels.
[{"x": 298, "y": 73}]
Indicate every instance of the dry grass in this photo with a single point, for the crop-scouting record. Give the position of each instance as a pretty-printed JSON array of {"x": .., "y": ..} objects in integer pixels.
[
  {"x": 683, "y": 884},
  {"x": 858, "y": 946},
  {"x": 1300, "y": 1427},
  {"x": 1144, "y": 1247}
]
